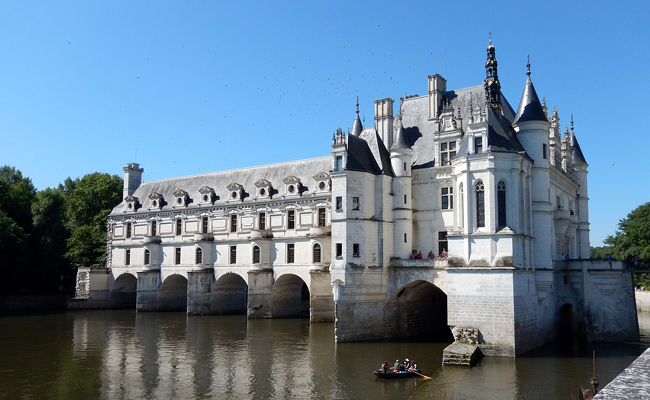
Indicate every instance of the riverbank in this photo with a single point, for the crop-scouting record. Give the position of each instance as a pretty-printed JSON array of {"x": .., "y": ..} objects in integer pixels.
[{"x": 33, "y": 303}]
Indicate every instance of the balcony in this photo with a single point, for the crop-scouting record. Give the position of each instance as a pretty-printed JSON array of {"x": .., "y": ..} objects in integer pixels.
[
  {"x": 151, "y": 240},
  {"x": 203, "y": 237}
]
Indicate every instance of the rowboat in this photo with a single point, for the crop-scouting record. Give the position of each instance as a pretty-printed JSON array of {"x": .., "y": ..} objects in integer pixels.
[{"x": 397, "y": 375}]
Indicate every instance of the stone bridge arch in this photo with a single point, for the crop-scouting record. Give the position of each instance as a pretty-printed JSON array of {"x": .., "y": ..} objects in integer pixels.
[
  {"x": 418, "y": 308},
  {"x": 289, "y": 297},
  {"x": 229, "y": 295},
  {"x": 124, "y": 291},
  {"x": 172, "y": 295}
]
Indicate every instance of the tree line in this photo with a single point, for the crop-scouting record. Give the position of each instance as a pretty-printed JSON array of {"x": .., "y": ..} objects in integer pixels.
[
  {"x": 46, "y": 235},
  {"x": 631, "y": 242}
]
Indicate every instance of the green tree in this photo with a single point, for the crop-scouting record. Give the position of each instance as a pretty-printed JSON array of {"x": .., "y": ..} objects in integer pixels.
[
  {"x": 632, "y": 239},
  {"x": 16, "y": 195},
  {"x": 88, "y": 202}
]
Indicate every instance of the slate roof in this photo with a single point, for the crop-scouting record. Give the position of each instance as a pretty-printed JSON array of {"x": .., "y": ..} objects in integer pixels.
[
  {"x": 576, "y": 152},
  {"x": 360, "y": 156},
  {"x": 530, "y": 108},
  {"x": 275, "y": 173}
]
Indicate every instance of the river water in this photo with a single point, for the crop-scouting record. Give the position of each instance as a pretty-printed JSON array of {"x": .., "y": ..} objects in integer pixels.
[{"x": 128, "y": 355}]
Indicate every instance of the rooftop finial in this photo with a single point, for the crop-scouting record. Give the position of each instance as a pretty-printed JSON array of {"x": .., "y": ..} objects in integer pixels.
[
  {"x": 528, "y": 65},
  {"x": 357, "y": 105},
  {"x": 571, "y": 122}
]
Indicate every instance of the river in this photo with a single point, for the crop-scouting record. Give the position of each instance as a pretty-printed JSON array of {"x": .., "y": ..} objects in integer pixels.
[{"x": 127, "y": 355}]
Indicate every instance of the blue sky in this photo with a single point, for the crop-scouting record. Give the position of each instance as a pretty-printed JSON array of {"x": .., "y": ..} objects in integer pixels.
[{"x": 191, "y": 87}]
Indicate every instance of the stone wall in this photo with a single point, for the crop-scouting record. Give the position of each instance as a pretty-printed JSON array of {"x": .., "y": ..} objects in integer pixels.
[{"x": 642, "y": 300}]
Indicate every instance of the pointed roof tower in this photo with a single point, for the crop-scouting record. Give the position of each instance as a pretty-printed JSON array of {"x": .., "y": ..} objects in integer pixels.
[
  {"x": 357, "y": 127},
  {"x": 530, "y": 108},
  {"x": 576, "y": 152},
  {"x": 491, "y": 84},
  {"x": 400, "y": 138}
]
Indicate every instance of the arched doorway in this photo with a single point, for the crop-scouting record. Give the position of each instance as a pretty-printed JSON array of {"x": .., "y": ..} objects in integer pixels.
[
  {"x": 173, "y": 294},
  {"x": 567, "y": 322},
  {"x": 124, "y": 291},
  {"x": 419, "y": 309},
  {"x": 229, "y": 295},
  {"x": 290, "y": 297}
]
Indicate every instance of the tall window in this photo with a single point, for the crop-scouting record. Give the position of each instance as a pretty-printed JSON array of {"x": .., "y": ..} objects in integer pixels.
[
  {"x": 478, "y": 144},
  {"x": 127, "y": 259},
  {"x": 447, "y": 198},
  {"x": 256, "y": 255},
  {"x": 355, "y": 203},
  {"x": 356, "y": 251},
  {"x": 233, "y": 254},
  {"x": 179, "y": 226},
  {"x": 501, "y": 203},
  {"x": 447, "y": 152},
  {"x": 544, "y": 151},
  {"x": 321, "y": 217},
  {"x": 405, "y": 238},
  {"x": 199, "y": 255},
  {"x": 339, "y": 249},
  {"x": 404, "y": 199},
  {"x": 128, "y": 229},
  {"x": 442, "y": 242},
  {"x": 480, "y": 204},
  {"x": 262, "y": 221},
  {"x": 339, "y": 203},
  {"x": 154, "y": 228},
  {"x": 204, "y": 225},
  {"x": 339, "y": 163},
  {"x": 177, "y": 258},
  {"x": 233, "y": 223},
  {"x": 291, "y": 253},
  {"x": 316, "y": 253},
  {"x": 147, "y": 257},
  {"x": 291, "y": 219}
]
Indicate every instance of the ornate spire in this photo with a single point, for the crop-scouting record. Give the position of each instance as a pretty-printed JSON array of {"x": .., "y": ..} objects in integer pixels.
[
  {"x": 357, "y": 126},
  {"x": 491, "y": 84},
  {"x": 572, "y": 123},
  {"x": 528, "y": 65},
  {"x": 400, "y": 137},
  {"x": 530, "y": 108}
]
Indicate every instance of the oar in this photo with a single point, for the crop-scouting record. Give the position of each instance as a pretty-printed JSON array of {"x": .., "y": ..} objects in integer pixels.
[{"x": 422, "y": 375}]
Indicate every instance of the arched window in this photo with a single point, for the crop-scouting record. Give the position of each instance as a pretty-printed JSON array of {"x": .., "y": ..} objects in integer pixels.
[
  {"x": 147, "y": 257},
  {"x": 256, "y": 255},
  {"x": 480, "y": 204},
  {"x": 199, "y": 255},
  {"x": 316, "y": 253},
  {"x": 501, "y": 204}
]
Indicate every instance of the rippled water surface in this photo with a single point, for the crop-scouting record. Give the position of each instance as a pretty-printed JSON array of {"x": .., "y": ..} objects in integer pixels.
[{"x": 129, "y": 355}]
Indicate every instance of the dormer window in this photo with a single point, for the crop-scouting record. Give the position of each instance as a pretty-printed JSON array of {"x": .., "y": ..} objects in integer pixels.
[
  {"x": 132, "y": 203},
  {"x": 157, "y": 201},
  {"x": 181, "y": 198},
  {"x": 323, "y": 183},
  {"x": 236, "y": 192},
  {"x": 292, "y": 186},
  {"x": 207, "y": 195},
  {"x": 263, "y": 188}
]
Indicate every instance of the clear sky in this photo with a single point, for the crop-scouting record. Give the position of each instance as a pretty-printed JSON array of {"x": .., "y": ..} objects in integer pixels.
[{"x": 198, "y": 86}]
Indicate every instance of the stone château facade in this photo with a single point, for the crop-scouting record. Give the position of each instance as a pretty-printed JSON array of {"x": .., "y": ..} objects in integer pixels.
[{"x": 497, "y": 195}]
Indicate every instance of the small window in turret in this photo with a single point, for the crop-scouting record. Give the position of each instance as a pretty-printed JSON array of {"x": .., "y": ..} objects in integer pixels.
[
  {"x": 355, "y": 203},
  {"x": 355, "y": 250},
  {"x": 544, "y": 150},
  {"x": 339, "y": 163},
  {"x": 478, "y": 144},
  {"x": 339, "y": 203}
]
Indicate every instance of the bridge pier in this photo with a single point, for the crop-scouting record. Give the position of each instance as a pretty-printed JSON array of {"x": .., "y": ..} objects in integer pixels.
[
  {"x": 148, "y": 286},
  {"x": 321, "y": 302},
  {"x": 260, "y": 300},
  {"x": 199, "y": 286}
]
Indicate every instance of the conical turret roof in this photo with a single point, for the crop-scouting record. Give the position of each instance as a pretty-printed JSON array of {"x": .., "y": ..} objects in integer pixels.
[
  {"x": 530, "y": 108},
  {"x": 576, "y": 153},
  {"x": 357, "y": 126},
  {"x": 401, "y": 142}
]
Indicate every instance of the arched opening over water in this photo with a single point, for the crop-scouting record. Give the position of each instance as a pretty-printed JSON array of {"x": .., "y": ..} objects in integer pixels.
[
  {"x": 229, "y": 295},
  {"x": 124, "y": 291},
  {"x": 419, "y": 309},
  {"x": 567, "y": 322},
  {"x": 289, "y": 297},
  {"x": 173, "y": 294}
]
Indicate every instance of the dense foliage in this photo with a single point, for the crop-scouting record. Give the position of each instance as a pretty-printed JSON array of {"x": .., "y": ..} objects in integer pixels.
[
  {"x": 631, "y": 242},
  {"x": 45, "y": 235}
]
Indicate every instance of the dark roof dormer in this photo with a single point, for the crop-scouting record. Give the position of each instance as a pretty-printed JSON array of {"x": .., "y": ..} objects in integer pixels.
[
  {"x": 157, "y": 201},
  {"x": 208, "y": 195},
  {"x": 132, "y": 203},
  {"x": 181, "y": 198},
  {"x": 263, "y": 190},
  {"x": 292, "y": 186},
  {"x": 236, "y": 192}
]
